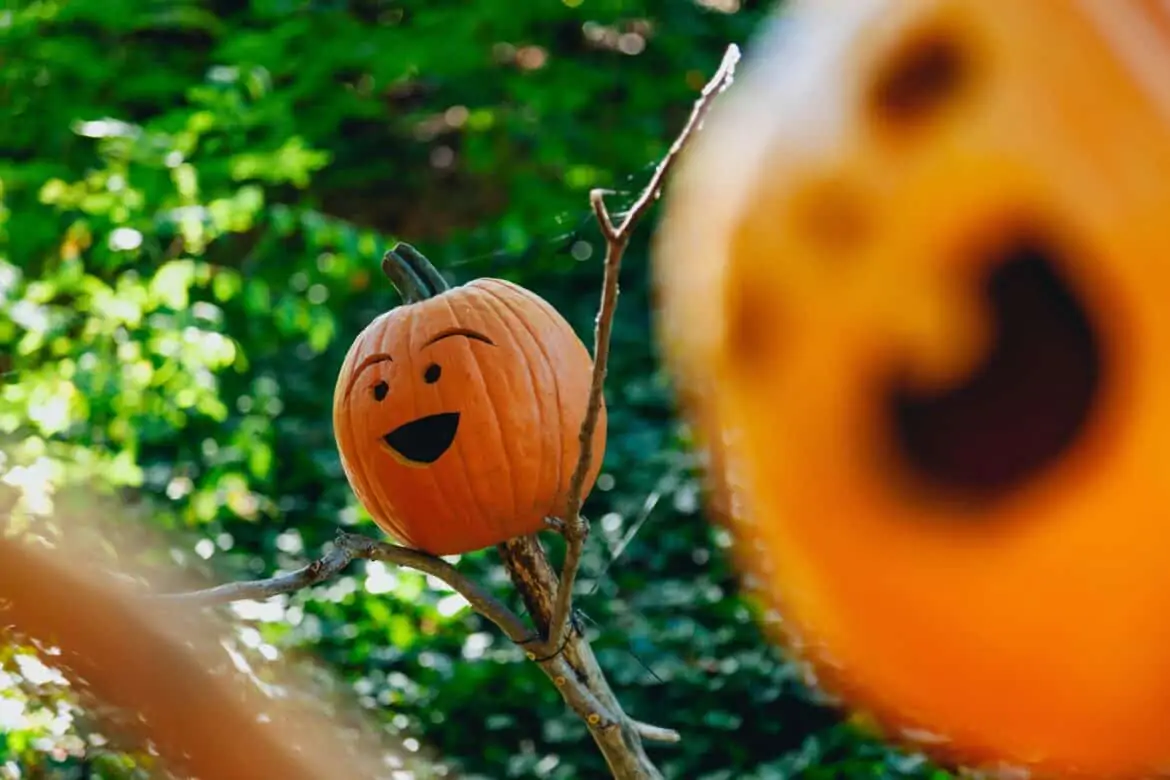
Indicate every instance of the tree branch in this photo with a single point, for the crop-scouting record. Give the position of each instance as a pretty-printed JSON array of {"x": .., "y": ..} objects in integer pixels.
[
  {"x": 719, "y": 82},
  {"x": 619, "y": 742},
  {"x": 320, "y": 570},
  {"x": 655, "y": 733},
  {"x": 565, "y": 657},
  {"x": 349, "y": 547},
  {"x": 574, "y": 527}
]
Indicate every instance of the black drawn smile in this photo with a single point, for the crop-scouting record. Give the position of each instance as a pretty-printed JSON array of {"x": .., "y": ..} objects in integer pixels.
[{"x": 424, "y": 440}]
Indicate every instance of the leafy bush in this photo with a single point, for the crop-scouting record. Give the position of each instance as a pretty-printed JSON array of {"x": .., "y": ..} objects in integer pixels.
[{"x": 194, "y": 195}]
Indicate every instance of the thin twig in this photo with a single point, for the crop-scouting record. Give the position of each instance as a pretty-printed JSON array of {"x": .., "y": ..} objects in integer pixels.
[
  {"x": 574, "y": 528},
  {"x": 324, "y": 568},
  {"x": 348, "y": 548},
  {"x": 601, "y": 213},
  {"x": 567, "y": 661},
  {"x": 719, "y": 82},
  {"x": 655, "y": 733}
]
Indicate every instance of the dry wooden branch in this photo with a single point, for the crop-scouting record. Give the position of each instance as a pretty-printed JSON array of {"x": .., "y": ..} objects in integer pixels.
[
  {"x": 617, "y": 238},
  {"x": 564, "y": 655},
  {"x": 655, "y": 733},
  {"x": 525, "y": 558},
  {"x": 350, "y": 547}
]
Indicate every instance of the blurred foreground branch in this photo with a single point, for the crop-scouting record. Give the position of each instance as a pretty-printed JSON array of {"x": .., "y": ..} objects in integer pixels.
[{"x": 169, "y": 670}]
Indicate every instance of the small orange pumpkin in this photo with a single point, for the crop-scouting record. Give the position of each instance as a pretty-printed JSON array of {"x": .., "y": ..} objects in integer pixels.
[
  {"x": 913, "y": 286},
  {"x": 458, "y": 413}
]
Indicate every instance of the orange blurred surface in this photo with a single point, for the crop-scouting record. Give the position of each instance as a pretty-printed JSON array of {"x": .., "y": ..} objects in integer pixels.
[{"x": 912, "y": 282}]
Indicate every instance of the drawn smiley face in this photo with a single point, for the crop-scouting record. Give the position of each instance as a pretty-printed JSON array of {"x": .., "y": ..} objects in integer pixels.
[
  {"x": 457, "y": 417},
  {"x": 424, "y": 439}
]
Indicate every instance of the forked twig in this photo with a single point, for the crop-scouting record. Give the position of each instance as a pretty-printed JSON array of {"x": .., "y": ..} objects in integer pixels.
[
  {"x": 574, "y": 528},
  {"x": 580, "y": 682},
  {"x": 349, "y": 547}
]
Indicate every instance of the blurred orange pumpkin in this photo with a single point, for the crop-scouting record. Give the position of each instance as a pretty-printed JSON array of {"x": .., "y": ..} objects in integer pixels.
[
  {"x": 913, "y": 287},
  {"x": 457, "y": 414}
]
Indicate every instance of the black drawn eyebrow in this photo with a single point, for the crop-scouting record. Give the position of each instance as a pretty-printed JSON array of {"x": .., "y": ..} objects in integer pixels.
[
  {"x": 471, "y": 334},
  {"x": 370, "y": 360}
]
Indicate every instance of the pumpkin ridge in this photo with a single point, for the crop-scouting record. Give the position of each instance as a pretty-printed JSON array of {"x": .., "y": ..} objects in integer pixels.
[
  {"x": 558, "y": 320},
  {"x": 460, "y": 519},
  {"x": 371, "y": 486},
  {"x": 359, "y": 462},
  {"x": 343, "y": 428},
  {"x": 541, "y": 401},
  {"x": 506, "y": 317},
  {"x": 555, "y": 382},
  {"x": 459, "y": 506},
  {"x": 505, "y": 444},
  {"x": 383, "y": 495}
]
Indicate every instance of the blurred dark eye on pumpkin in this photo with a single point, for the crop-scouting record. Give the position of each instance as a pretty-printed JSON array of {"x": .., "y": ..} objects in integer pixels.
[
  {"x": 380, "y": 391},
  {"x": 925, "y": 75},
  {"x": 432, "y": 374}
]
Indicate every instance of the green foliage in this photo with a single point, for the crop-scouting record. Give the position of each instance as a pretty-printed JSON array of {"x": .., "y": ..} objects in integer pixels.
[{"x": 194, "y": 195}]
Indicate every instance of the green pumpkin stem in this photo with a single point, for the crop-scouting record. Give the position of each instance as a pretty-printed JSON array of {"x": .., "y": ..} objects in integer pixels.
[{"x": 412, "y": 274}]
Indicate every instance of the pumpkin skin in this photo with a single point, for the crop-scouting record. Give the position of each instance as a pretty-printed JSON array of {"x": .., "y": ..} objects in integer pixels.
[
  {"x": 911, "y": 288},
  {"x": 467, "y": 435}
]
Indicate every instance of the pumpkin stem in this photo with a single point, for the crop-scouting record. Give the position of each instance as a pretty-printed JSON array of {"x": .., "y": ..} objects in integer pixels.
[{"x": 412, "y": 274}]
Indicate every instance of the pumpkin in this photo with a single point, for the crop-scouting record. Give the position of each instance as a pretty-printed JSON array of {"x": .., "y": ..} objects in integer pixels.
[
  {"x": 912, "y": 286},
  {"x": 457, "y": 414}
]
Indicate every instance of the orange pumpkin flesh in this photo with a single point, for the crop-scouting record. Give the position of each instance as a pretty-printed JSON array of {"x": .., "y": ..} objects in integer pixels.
[
  {"x": 911, "y": 287},
  {"x": 457, "y": 414}
]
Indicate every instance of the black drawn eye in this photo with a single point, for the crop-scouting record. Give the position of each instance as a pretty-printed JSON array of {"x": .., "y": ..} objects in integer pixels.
[
  {"x": 380, "y": 390},
  {"x": 432, "y": 374}
]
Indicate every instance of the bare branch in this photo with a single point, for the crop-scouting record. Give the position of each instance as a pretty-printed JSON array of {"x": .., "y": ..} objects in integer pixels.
[
  {"x": 480, "y": 600},
  {"x": 324, "y": 568},
  {"x": 574, "y": 527},
  {"x": 577, "y": 694},
  {"x": 597, "y": 202},
  {"x": 536, "y": 581},
  {"x": 655, "y": 733},
  {"x": 719, "y": 82},
  {"x": 349, "y": 547},
  {"x": 566, "y": 659}
]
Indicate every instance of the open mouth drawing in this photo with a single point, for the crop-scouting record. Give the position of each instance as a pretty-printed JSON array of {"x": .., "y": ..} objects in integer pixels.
[
  {"x": 1029, "y": 400},
  {"x": 424, "y": 440}
]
